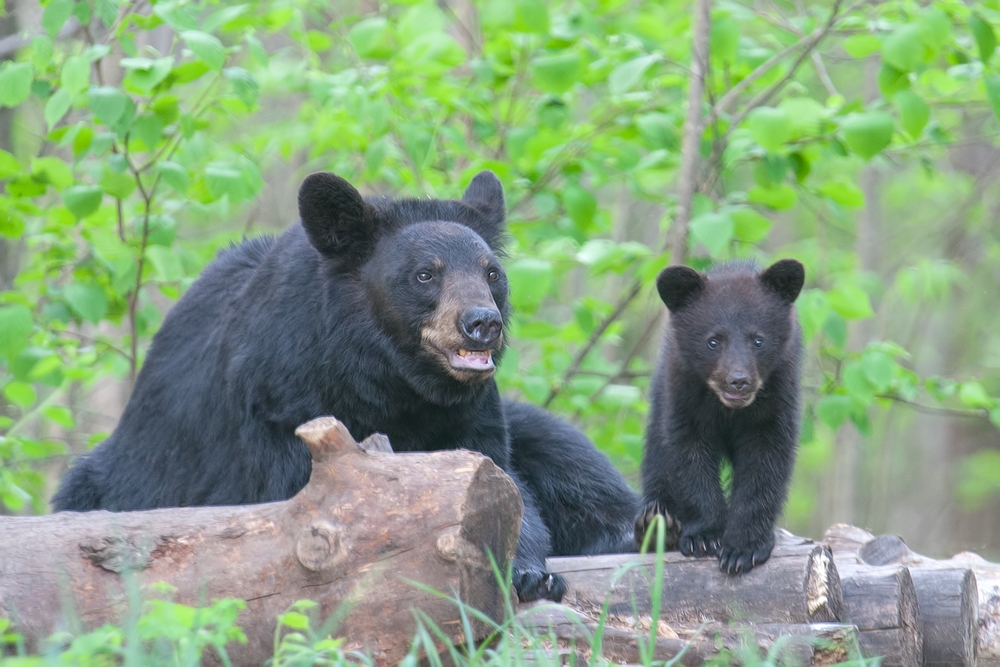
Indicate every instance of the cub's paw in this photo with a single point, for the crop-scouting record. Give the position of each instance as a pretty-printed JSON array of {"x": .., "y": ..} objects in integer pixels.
[
  {"x": 538, "y": 585},
  {"x": 700, "y": 542},
  {"x": 738, "y": 558},
  {"x": 645, "y": 520}
]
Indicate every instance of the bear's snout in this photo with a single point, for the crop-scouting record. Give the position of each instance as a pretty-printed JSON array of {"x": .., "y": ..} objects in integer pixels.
[{"x": 482, "y": 325}]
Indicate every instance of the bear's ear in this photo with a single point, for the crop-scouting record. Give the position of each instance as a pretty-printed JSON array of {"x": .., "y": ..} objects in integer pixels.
[
  {"x": 785, "y": 278},
  {"x": 338, "y": 221},
  {"x": 485, "y": 195},
  {"x": 679, "y": 285}
]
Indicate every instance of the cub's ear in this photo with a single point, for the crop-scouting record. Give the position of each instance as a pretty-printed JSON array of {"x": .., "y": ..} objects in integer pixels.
[
  {"x": 485, "y": 195},
  {"x": 679, "y": 285},
  {"x": 785, "y": 278},
  {"x": 337, "y": 220}
]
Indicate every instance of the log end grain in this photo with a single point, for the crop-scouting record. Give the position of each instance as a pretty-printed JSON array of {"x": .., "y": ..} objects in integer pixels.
[{"x": 327, "y": 438}]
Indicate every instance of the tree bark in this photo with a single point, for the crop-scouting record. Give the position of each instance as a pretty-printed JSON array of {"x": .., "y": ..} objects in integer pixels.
[
  {"x": 798, "y": 584},
  {"x": 882, "y": 602},
  {"x": 367, "y": 525},
  {"x": 959, "y": 597}
]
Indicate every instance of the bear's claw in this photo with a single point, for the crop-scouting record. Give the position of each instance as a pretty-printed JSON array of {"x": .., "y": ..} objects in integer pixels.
[{"x": 538, "y": 585}]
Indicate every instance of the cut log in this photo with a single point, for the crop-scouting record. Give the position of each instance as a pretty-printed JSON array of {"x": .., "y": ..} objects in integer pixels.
[
  {"x": 622, "y": 637},
  {"x": 365, "y": 524},
  {"x": 959, "y": 597},
  {"x": 798, "y": 584},
  {"x": 882, "y": 603}
]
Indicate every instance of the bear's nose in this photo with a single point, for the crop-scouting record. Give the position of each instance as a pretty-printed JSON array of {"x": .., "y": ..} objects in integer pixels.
[
  {"x": 482, "y": 324},
  {"x": 738, "y": 381}
]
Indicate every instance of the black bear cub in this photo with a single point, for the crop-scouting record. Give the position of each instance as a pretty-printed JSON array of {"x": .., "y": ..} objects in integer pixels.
[
  {"x": 727, "y": 386},
  {"x": 387, "y": 314}
]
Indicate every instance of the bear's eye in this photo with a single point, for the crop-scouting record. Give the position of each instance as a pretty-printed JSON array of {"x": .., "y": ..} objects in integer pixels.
[
  {"x": 493, "y": 275},
  {"x": 758, "y": 341},
  {"x": 424, "y": 276},
  {"x": 713, "y": 343}
]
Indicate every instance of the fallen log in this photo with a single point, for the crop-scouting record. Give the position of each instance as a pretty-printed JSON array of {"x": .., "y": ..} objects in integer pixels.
[
  {"x": 959, "y": 597},
  {"x": 799, "y": 584},
  {"x": 627, "y": 639},
  {"x": 367, "y": 522},
  {"x": 882, "y": 603}
]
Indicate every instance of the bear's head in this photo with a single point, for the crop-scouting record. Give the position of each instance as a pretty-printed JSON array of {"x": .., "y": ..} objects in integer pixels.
[
  {"x": 733, "y": 326},
  {"x": 428, "y": 269}
]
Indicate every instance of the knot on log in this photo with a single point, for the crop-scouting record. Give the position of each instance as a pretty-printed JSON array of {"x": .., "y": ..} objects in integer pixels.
[
  {"x": 327, "y": 438},
  {"x": 117, "y": 554},
  {"x": 321, "y": 546}
]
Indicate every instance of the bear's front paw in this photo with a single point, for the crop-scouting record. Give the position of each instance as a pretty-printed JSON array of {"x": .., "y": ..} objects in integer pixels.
[
  {"x": 645, "y": 520},
  {"x": 700, "y": 542},
  {"x": 736, "y": 558},
  {"x": 538, "y": 585}
]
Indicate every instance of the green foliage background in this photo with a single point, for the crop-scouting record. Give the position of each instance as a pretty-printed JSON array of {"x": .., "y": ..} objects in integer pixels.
[{"x": 858, "y": 138}]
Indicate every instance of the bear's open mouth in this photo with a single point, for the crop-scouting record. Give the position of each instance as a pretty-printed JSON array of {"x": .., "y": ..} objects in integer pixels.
[{"x": 471, "y": 360}]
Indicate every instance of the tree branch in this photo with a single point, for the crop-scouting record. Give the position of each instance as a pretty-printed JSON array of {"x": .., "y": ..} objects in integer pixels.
[{"x": 690, "y": 142}]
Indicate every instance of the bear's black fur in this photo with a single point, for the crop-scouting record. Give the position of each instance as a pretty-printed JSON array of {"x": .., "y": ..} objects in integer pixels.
[
  {"x": 388, "y": 314},
  {"x": 727, "y": 385}
]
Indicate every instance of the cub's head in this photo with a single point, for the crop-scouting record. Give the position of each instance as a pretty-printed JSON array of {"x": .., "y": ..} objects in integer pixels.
[
  {"x": 428, "y": 268},
  {"x": 733, "y": 326}
]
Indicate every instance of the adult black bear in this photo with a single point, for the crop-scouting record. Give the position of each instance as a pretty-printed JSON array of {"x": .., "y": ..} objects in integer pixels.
[
  {"x": 727, "y": 385},
  {"x": 388, "y": 314}
]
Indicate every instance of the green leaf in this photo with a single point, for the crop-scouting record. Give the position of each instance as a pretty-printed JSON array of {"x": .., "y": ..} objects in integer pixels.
[
  {"x": 56, "y": 107},
  {"x": 580, "y": 204},
  {"x": 724, "y": 40},
  {"x": 935, "y": 27},
  {"x": 867, "y": 133},
  {"x": 166, "y": 263},
  {"x": 861, "y": 45},
  {"x": 15, "y": 84},
  {"x": 294, "y": 620},
  {"x": 713, "y": 230},
  {"x": 86, "y": 300},
  {"x": 52, "y": 170},
  {"x": 55, "y": 16},
  {"x": 206, "y": 48},
  {"x": 770, "y": 127},
  {"x": 973, "y": 395},
  {"x": 834, "y": 410},
  {"x": 530, "y": 281},
  {"x": 15, "y": 327},
  {"x": 891, "y": 80},
  {"x": 367, "y": 36},
  {"x": 913, "y": 112},
  {"x": 75, "y": 74},
  {"x": 117, "y": 184},
  {"x": 244, "y": 85},
  {"x": 904, "y": 48},
  {"x": 845, "y": 193},
  {"x": 851, "y": 302},
  {"x": 780, "y": 197},
  {"x": 60, "y": 415},
  {"x": 880, "y": 368},
  {"x": 149, "y": 129},
  {"x": 626, "y": 75},
  {"x": 8, "y": 165},
  {"x": 174, "y": 175},
  {"x": 657, "y": 131},
  {"x": 145, "y": 74},
  {"x": 992, "y": 84},
  {"x": 985, "y": 38},
  {"x": 82, "y": 200},
  {"x": 531, "y": 16},
  {"x": 556, "y": 74},
  {"x": 749, "y": 225},
  {"x": 108, "y": 104},
  {"x": 20, "y": 394},
  {"x": 856, "y": 383}
]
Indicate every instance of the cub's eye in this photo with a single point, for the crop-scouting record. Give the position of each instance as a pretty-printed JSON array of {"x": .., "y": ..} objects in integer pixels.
[
  {"x": 493, "y": 275},
  {"x": 424, "y": 276},
  {"x": 713, "y": 343},
  {"x": 758, "y": 341}
]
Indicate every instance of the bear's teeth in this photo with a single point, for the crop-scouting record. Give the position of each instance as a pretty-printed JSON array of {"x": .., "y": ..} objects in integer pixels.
[{"x": 462, "y": 352}]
